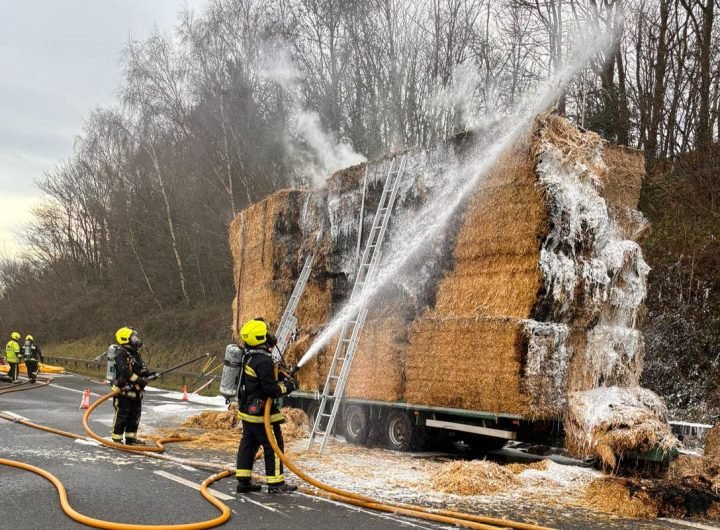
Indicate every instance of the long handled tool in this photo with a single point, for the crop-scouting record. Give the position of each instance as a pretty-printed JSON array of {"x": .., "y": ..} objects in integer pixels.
[{"x": 159, "y": 374}]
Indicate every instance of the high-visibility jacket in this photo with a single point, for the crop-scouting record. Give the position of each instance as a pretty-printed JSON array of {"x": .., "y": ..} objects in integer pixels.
[{"x": 12, "y": 351}]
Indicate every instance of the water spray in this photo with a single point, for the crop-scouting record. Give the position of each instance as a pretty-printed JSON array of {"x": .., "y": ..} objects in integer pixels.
[{"x": 461, "y": 181}]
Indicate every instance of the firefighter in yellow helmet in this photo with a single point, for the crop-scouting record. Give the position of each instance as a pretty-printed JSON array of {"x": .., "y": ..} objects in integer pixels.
[
  {"x": 12, "y": 355},
  {"x": 258, "y": 382},
  {"x": 33, "y": 357},
  {"x": 130, "y": 381}
]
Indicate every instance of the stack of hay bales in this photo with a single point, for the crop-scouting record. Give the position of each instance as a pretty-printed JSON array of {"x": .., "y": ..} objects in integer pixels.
[{"x": 532, "y": 296}]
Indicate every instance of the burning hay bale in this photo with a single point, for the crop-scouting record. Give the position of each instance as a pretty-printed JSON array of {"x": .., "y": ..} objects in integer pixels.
[
  {"x": 535, "y": 288},
  {"x": 611, "y": 423},
  {"x": 473, "y": 478}
]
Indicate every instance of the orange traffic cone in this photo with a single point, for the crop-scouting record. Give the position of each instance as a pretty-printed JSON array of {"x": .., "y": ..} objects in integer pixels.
[
  {"x": 185, "y": 396},
  {"x": 85, "y": 403}
]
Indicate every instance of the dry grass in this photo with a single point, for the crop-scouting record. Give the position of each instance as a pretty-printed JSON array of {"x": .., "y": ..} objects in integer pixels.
[
  {"x": 611, "y": 495},
  {"x": 542, "y": 465},
  {"x": 478, "y": 477}
]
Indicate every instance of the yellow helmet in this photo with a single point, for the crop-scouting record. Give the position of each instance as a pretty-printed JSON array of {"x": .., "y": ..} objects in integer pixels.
[
  {"x": 15, "y": 335},
  {"x": 122, "y": 336},
  {"x": 30, "y": 338},
  {"x": 254, "y": 332}
]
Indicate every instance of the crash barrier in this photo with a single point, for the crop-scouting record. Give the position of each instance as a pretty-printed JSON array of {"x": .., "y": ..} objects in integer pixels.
[{"x": 178, "y": 378}]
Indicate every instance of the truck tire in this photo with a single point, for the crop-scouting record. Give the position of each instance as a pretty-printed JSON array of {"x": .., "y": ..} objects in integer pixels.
[
  {"x": 355, "y": 424},
  {"x": 400, "y": 433},
  {"x": 311, "y": 410}
]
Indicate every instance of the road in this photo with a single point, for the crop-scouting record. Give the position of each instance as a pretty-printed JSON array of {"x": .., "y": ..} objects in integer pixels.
[{"x": 107, "y": 484}]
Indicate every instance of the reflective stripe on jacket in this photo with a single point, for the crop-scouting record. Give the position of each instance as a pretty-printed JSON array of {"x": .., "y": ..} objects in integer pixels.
[{"x": 12, "y": 351}]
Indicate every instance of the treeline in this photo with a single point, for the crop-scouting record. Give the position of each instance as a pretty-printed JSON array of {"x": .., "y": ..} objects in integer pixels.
[{"x": 249, "y": 96}]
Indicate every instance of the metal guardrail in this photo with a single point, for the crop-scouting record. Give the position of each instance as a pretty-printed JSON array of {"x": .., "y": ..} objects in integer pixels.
[{"x": 99, "y": 366}]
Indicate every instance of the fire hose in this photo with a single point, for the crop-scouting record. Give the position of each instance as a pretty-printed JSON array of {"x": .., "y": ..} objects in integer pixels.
[
  {"x": 111, "y": 525},
  {"x": 436, "y": 515},
  {"x": 421, "y": 512}
]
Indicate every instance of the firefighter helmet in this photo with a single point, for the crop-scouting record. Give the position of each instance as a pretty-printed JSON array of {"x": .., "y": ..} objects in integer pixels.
[
  {"x": 254, "y": 332},
  {"x": 30, "y": 338},
  {"x": 122, "y": 336},
  {"x": 15, "y": 335}
]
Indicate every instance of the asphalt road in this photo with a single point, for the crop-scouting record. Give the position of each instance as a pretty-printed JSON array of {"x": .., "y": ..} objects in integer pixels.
[{"x": 107, "y": 484}]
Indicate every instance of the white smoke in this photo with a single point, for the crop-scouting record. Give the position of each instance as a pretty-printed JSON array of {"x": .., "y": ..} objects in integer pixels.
[{"x": 324, "y": 154}]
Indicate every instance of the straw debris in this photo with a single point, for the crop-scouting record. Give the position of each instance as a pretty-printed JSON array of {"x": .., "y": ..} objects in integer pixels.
[{"x": 473, "y": 478}]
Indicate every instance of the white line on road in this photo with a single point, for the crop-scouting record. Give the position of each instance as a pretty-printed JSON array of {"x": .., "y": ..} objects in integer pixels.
[
  {"x": 367, "y": 511},
  {"x": 191, "y": 484},
  {"x": 73, "y": 389},
  {"x": 16, "y": 416},
  {"x": 688, "y": 524}
]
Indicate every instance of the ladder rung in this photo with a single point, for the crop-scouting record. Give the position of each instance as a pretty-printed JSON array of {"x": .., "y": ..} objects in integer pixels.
[{"x": 325, "y": 414}]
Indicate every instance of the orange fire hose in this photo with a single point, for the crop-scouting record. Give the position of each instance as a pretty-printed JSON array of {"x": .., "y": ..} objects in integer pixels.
[
  {"x": 421, "y": 512},
  {"x": 110, "y": 525}
]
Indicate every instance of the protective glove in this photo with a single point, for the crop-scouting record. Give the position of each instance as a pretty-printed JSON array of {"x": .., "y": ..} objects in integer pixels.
[
  {"x": 142, "y": 382},
  {"x": 291, "y": 384}
]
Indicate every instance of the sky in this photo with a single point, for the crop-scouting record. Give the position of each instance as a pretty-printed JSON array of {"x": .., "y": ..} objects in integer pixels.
[{"x": 59, "y": 59}]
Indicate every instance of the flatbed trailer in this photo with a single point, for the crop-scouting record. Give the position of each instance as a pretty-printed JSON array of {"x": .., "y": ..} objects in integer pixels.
[{"x": 403, "y": 427}]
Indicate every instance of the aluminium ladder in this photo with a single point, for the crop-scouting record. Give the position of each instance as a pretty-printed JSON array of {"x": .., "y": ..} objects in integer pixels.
[
  {"x": 355, "y": 318},
  {"x": 288, "y": 322}
]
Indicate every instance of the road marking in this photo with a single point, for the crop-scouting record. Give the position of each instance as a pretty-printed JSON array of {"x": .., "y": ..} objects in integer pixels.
[
  {"x": 73, "y": 389},
  {"x": 688, "y": 524},
  {"x": 16, "y": 416},
  {"x": 246, "y": 498},
  {"x": 363, "y": 510},
  {"x": 191, "y": 484}
]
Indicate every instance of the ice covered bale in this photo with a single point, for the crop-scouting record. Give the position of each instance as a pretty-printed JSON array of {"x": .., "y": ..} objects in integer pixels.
[{"x": 611, "y": 423}]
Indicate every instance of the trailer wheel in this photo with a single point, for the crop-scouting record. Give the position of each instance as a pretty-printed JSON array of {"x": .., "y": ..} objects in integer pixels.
[
  {"x": 311, "y": 411},
  {"x": 356, "y": 425},
  {"x": 400, "y": 433}
]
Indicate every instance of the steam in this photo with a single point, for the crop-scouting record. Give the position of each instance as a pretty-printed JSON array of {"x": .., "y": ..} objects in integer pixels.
[
  {"x": 324, "y": 154},
  {"x": 459, "y": 182}
]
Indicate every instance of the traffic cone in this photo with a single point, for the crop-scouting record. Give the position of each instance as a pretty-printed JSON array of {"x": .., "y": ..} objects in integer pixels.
[
  {"x": 85, "y": 403},
  {"x": 185, "y": 396}
]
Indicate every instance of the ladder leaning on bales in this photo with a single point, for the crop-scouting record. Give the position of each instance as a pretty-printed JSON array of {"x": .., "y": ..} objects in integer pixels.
[
  {"x": 355, "y": 318},
  {"x": 288, "y": 322}
]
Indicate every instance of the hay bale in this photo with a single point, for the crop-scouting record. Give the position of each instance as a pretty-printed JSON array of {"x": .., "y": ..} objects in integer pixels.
[
  {"x": 611, "y": 495},
  {"x": 712, "y": 443},
  {"x": 612, "y": 422},
  {"x": 477, "y": 477}
]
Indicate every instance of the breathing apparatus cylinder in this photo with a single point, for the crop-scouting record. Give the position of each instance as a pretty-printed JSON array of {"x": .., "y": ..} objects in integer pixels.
[
  {"x": 111, "y": 370},
  {"x": 27, "y": 347},
  {"x": 231, "y": 371}
]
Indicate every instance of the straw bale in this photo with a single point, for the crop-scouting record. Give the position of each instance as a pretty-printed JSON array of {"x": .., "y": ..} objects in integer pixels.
[
  {"x": 622, "y": 181},
  {"x": 612, "y": 422},
  {"x": 611, "y": 495},
  {"x": 712, "y": 443},
  {"x": 477, "y": 477},
  {"x": 377, "y": 370},
  {"x": 516, "y": 468},
  {"x": 469, "y": 363},
  {"x": 690, "y": 466}
]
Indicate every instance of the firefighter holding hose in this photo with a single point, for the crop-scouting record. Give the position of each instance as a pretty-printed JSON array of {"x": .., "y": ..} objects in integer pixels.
[
  {"x": 132, "y": 377},
  {"x": 259, "y": 381}
]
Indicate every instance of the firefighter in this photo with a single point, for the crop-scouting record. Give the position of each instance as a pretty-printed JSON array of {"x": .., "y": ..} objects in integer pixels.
[
  {"x": 258, "y": 382},
  {"x": 12, "y": 356},
  {"x": 129, "y": 383},
  {"x": 33, "y": 356}
]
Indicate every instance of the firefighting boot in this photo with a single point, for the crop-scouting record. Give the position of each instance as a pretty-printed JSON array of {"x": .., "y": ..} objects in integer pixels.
[
  {"x": 283, "y": 487},
  {"x": 245, "y": 485}
]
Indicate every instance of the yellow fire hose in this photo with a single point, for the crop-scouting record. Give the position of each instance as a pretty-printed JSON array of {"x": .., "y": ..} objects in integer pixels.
[
  {"x": 110, "y": 525},
  {"x": 442, "y": 516}
]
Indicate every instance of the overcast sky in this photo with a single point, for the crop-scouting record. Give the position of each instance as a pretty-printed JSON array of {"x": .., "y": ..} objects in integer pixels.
[{"x": 59, "y": 59}]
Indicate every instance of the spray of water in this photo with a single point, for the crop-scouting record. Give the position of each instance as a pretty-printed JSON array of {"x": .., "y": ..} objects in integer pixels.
[{"x": 458, "y": 183}]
